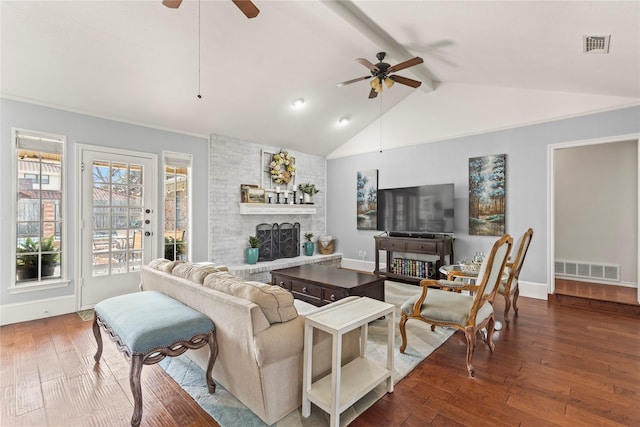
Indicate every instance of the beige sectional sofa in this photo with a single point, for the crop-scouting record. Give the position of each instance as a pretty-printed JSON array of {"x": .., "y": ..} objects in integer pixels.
[{"x": 259, "y": 330}]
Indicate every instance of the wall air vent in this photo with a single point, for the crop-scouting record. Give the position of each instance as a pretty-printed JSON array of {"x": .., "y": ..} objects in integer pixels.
[
  {"x": 587, "y": 270},
  {"x": 595, "y": 44}
]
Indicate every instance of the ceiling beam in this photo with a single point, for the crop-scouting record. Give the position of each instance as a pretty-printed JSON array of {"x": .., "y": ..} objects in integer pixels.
[{"x": 365, "y": 25}]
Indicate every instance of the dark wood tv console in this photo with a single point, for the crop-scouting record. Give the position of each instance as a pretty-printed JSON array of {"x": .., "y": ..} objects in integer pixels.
[{"x": 440, "y": 246}]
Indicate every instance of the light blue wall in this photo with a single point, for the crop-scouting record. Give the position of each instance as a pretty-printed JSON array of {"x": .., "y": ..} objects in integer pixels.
[
  {"x": 447, "y": 161},
  {"x": 83, "y": 129}
]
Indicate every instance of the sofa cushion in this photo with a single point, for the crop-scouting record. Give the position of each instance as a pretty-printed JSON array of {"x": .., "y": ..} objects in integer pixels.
[
  {"x": 275, "y": 302},
  {"x": 164, "y": 264},
  {"x": 195, "y": 272}
]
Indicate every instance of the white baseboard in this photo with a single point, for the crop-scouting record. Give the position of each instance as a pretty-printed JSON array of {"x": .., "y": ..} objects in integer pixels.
[
  {"x": 534, "y": 290},
  {"x": 39, "y": 309}
]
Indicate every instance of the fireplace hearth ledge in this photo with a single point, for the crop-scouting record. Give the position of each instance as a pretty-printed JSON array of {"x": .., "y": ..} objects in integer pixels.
[{"x": 261, "y": 272}]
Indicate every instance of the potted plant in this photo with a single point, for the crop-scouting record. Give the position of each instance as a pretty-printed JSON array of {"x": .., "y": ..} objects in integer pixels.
[
  {"x": 169, "y": 242},
  {"x": 309, "y": 246},
  {"x": 253, "y": 250},
  {"x": 27, "y": 265},
  {"x": 308, "y": 190}
]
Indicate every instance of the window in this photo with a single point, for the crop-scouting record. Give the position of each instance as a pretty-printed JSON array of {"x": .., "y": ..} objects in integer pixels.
[
  {"x": 177, "y": 195},
  {"x": 35, "y": 178},
  {"x": 117, "y": 202},
  {"x": 39, "y": 227}
]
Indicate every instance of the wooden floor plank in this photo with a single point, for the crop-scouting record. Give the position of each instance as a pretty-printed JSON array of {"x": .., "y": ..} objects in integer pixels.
[{"x": 554, "y": 365}]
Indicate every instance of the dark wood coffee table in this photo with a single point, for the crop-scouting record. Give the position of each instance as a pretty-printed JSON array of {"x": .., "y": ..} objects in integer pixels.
[{"x": 320, "y": 285}]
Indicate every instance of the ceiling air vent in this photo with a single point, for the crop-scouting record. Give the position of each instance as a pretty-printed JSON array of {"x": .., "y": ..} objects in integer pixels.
[{"x": 595, "y": 44}]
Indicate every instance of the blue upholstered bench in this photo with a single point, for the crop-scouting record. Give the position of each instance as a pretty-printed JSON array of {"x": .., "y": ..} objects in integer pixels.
[{"x": 147, "y": 327}]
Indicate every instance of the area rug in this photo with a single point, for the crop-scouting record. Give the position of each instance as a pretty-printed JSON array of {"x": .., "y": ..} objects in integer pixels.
[{"x": 229, "y": 412}]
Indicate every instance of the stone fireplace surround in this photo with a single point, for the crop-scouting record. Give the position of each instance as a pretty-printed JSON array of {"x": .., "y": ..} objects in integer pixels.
[
  {"x": 261, "y": 272},
  {"x": 234, "y": 162}
]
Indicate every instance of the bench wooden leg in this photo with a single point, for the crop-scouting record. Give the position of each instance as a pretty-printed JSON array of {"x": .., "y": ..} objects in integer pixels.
[
  {"x": 96, "y": 333},
  {"x": 213, "y": 354},
  {"x": 136, "y": 388}
]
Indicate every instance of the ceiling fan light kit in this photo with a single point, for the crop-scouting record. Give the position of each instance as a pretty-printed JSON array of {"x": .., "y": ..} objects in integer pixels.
[{"x": 382, "y": 72}]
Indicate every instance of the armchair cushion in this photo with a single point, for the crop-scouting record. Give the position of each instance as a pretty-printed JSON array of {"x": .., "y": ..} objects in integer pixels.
[{"x": 449, "y": 307}]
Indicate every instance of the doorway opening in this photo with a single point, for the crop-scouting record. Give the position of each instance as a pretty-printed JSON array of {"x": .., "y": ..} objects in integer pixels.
[{"x": 576, "y": 230}]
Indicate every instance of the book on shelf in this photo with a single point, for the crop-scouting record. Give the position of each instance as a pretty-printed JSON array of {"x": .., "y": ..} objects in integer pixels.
[{"x": 412, "y": 267}]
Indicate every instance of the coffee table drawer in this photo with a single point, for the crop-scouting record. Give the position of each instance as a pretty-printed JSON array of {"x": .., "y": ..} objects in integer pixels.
[
  {"x": 281, "y": 281},
  {"x": 306, "y": 289},
  {"x": 331, "y": 295}
]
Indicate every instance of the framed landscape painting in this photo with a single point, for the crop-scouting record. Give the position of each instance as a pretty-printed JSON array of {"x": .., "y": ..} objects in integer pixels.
[
  {"x": 367, "y": 199},
  {"x": 487, "y": 195}
]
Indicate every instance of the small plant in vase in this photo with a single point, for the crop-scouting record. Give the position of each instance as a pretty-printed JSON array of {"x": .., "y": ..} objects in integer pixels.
[
  {"x": 308, "y": 190},
  {"x": 309, "y": 246},
  {"x": 253, "y": 250}
]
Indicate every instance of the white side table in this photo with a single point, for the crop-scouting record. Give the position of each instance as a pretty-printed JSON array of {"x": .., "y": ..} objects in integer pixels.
[{"x": 347, "y": 384}]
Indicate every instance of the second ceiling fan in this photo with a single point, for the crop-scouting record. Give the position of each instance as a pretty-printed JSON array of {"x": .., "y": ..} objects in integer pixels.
[
  {"x": 246, "y": 6},
  {"x": 381, "y": 72}
]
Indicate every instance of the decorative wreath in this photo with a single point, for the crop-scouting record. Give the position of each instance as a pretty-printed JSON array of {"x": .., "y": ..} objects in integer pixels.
[{"x": 283, "y": 167}]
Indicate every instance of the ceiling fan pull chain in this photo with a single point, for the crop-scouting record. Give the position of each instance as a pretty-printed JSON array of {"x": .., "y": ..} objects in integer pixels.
[
  {"x": 380, "y": 120},
  {"x": 199, "y": 55}
]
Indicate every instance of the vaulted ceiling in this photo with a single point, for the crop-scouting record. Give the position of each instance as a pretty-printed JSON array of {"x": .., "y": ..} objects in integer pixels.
[{"x": 487, "y": 65}]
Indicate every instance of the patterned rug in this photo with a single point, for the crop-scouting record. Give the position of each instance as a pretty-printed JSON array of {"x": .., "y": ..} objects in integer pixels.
[{"x": 229, "y": 412}]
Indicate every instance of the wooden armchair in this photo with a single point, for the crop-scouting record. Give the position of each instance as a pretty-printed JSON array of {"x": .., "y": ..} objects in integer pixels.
[
  {"x": 509, "y": 286},
  {"x": 468, "y": 313}
]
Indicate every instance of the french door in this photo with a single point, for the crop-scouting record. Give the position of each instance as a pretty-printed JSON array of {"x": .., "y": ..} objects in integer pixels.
[{"x": 117, "y": 222}]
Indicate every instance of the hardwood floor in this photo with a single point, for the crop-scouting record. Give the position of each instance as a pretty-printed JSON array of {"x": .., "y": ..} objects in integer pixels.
[
  {"x": 595, "y": 296},
  {"x": 555, "y": 365},
  {"x": 596, "y": 291}
]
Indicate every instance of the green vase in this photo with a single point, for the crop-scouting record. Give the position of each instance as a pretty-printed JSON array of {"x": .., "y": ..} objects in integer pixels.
[
  {"x": 309, "y": 247},
  {"x": 252, "y": 255}
]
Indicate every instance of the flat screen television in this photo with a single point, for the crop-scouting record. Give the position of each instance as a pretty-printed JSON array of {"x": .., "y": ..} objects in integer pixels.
[{"x": 416, "y": 210}]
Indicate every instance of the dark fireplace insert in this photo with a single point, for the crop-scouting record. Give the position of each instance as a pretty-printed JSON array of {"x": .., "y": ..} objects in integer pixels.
[{"x": 278, "y": 240}]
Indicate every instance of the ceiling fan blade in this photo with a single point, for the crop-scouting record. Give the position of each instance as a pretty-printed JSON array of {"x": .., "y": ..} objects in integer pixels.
[
  {"x": 247, "y": 7},
  {"x": 367, "y": 64},
  {"x": 173, "y": 4},
  {"x": 406, "y": 64},
  {"x": 373, "y": 94},
  {"x": 348, "y": 82},
  {"x": 405, "y": 81}
]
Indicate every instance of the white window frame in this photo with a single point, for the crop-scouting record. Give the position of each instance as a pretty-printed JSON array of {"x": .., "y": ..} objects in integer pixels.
[
  {"x": 57, "y": 282},
  {"x": 174, "y": 159}
]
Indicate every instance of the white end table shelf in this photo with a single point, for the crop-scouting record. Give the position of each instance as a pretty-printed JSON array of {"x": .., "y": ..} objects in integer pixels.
[{"x": 347, "y": 384}]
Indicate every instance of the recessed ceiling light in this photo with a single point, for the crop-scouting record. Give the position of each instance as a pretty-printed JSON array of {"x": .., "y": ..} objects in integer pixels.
[
  {"x": 298, "y": 103},
  {"x": 343, "y": 121}
]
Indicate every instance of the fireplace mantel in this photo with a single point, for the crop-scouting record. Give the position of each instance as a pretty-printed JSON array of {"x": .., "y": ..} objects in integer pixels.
[{"x": 275, "y": 209}]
